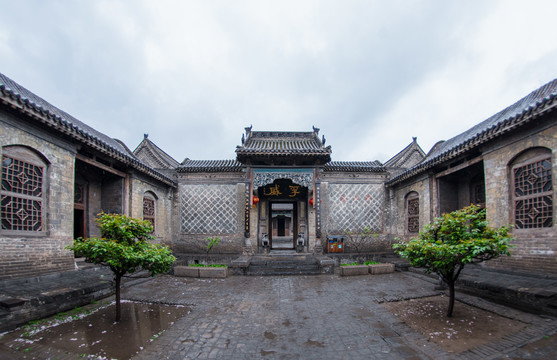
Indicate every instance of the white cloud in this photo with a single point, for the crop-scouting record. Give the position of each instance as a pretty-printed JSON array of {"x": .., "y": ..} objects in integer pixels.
[{"x": 370, "y": 74}]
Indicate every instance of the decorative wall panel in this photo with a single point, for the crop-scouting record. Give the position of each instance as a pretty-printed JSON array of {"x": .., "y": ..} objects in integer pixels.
[
  {"x": 209, "y": 209},
  {"x": 353, "y": 207}
]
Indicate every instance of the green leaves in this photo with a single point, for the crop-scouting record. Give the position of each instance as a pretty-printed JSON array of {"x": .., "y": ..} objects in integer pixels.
[
  {"x": 124, "y": 246},
  {"x": 124, "y": 229},
  {"x": 454, "y": 240}
]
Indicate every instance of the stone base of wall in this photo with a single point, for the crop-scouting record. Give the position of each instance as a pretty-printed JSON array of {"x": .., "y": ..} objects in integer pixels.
[{"x": 51, "y": 294}]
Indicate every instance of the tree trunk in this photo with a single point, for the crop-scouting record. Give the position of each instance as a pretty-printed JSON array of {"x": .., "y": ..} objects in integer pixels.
[
  {"x": 451, "y": 298},
  {"x": 117, "y": 280}
]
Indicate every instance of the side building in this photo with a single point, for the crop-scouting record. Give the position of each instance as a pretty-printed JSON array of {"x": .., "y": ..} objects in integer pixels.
[
  {"x": 57, "y": 175},
  {"x": 505, "y": 164}
]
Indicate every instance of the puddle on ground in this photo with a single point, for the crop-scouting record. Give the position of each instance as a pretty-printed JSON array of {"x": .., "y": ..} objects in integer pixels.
[{"x": 97, "y": 334}]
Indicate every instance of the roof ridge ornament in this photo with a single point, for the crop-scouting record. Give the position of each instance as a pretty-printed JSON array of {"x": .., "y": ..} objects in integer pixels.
[{"x": 315, "y": 130}]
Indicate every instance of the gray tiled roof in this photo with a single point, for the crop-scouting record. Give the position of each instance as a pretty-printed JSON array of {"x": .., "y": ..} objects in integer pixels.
[
  {"x": 407, "y": 154},
  {"x": 511, "y": 118},
  {"x": 354, "y": 166},
  {"x": 283, "y": 144},
  {"x": 161, "y": 157},
  {"x": 193, "y": 166},
  {"x": 27, "y": 102}
]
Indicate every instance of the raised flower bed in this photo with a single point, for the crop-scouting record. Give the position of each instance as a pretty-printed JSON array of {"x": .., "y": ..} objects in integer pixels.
[
  {"x": 353, "y": 270},
  {"x": 197, "y": 271},
  {"x": 370, "y": 267},
  {"x": 386, "y": 268}
]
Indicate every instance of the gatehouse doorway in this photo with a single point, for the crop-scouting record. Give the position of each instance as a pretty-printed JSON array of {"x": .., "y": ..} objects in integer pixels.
[{"x": 283, "y": 223}]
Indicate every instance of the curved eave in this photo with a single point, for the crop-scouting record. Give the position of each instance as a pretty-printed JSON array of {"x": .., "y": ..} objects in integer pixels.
[
  {"x": 57, "y": 123},
  {"x": 501, "y": 128}
]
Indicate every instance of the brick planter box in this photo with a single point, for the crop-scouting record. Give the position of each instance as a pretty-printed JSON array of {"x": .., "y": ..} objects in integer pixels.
[
  {"x": 213, "y": 272},
  {"x": 186, "y": 271},
  {"x": 377, "y": 269},
  {"x": 352, "y": 270},
  {"x": 201, "y": 272}
]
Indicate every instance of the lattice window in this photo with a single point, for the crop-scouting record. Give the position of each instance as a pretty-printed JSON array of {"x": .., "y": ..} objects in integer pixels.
[
  {"x": 79, "y": 194},
  {"x": 413, "y": 213},
  {"x": 149, "y": 210},
  {"x": 533, "y": 194},
  {"x": 478, "y": 194},
  {"x": 21, "y": 191}
]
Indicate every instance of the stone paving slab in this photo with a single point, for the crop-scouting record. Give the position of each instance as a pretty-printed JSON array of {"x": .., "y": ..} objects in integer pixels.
[{"x": 306, "y": 317}]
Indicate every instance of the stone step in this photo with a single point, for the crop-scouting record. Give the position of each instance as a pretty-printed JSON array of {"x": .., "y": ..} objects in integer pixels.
[
  {"x": 280, "y": 263},
  {"x": 283, "y": 265},
  {"x": 276, "y": 272}
]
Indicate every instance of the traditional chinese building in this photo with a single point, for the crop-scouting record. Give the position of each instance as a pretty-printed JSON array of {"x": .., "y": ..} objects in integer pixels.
[{"x": 282, "y": 192}]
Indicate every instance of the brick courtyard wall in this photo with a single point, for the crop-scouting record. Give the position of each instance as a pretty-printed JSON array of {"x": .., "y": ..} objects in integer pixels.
[
  {"x": 140, "y": 186},
  {"x": 209, "y": 205},
  {"x": 22, "y": 256},
  {"x": 351, "y": 202}
]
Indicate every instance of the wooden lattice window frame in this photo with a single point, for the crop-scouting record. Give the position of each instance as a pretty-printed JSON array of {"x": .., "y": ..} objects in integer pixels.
[
  {"x": 22, "y": 192},
  {"x": 413, "y": 213},
  {"x": 533, "y": 193},
  {"x": 149, "y": 209}
]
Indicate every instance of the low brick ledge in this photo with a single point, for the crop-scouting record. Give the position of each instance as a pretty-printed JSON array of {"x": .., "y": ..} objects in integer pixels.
[
  {"x": 353, "y": 270},
  {"x": 201, "y": 272},
  {"x": 374, "y": 269},
  {"x": 377, "y": 269}
]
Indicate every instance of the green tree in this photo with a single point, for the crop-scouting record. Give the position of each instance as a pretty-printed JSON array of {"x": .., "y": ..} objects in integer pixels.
[
  {"x": 124, "y": 247},
  {"x": 450, "y": 242},
  {"x": 211, "y": 243}
]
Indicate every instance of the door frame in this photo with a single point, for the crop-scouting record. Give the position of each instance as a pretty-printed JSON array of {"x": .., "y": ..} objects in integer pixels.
[{"x": 294, "y": 221}]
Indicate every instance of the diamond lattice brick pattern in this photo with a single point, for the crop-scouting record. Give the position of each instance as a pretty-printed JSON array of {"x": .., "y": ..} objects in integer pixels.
[
  {"x": 209, "y": 209},
  {"x": 354, "y": 207}
]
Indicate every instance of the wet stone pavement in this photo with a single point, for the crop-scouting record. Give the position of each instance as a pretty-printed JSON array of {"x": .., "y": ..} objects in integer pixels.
[{"x": 297, "y": 317}]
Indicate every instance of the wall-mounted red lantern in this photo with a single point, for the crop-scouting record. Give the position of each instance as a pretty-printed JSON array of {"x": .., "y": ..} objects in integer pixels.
[
  {"x": 311, "y": 201},
  {"x": 255, "y": 201}
]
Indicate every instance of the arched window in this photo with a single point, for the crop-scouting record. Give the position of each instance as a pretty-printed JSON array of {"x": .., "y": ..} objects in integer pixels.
[
  {"x": 413, "y": 213},
  {"x": 23, "y": 190},
  {"x": 149, "y": 202},
  {"x": 532, "y": 189}
]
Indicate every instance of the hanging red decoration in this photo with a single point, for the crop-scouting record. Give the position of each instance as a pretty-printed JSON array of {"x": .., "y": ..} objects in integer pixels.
[
  {"x": 255, "y": 201},
  {"x": 311, "y": 201}
]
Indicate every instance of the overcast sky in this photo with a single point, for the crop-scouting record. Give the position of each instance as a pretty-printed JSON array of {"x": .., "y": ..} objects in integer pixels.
[{"x": 192, "y": 74}]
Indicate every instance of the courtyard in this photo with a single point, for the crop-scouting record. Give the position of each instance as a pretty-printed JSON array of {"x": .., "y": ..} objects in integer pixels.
[{"x": 322, "y": 317}]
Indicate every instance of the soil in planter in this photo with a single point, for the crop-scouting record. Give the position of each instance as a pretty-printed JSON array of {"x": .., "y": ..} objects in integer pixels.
[
  {"x": 469, "y": 327},
  {"x": 97, "y": 334}
]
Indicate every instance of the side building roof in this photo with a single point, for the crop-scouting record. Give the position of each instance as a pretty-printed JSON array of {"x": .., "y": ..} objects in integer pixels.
[
  {"x": 24, "y": 101},
  {"x": 407, "y": 157},
  {"x": 152, "y": 155},
  {"x": 509, "y": 119}
]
